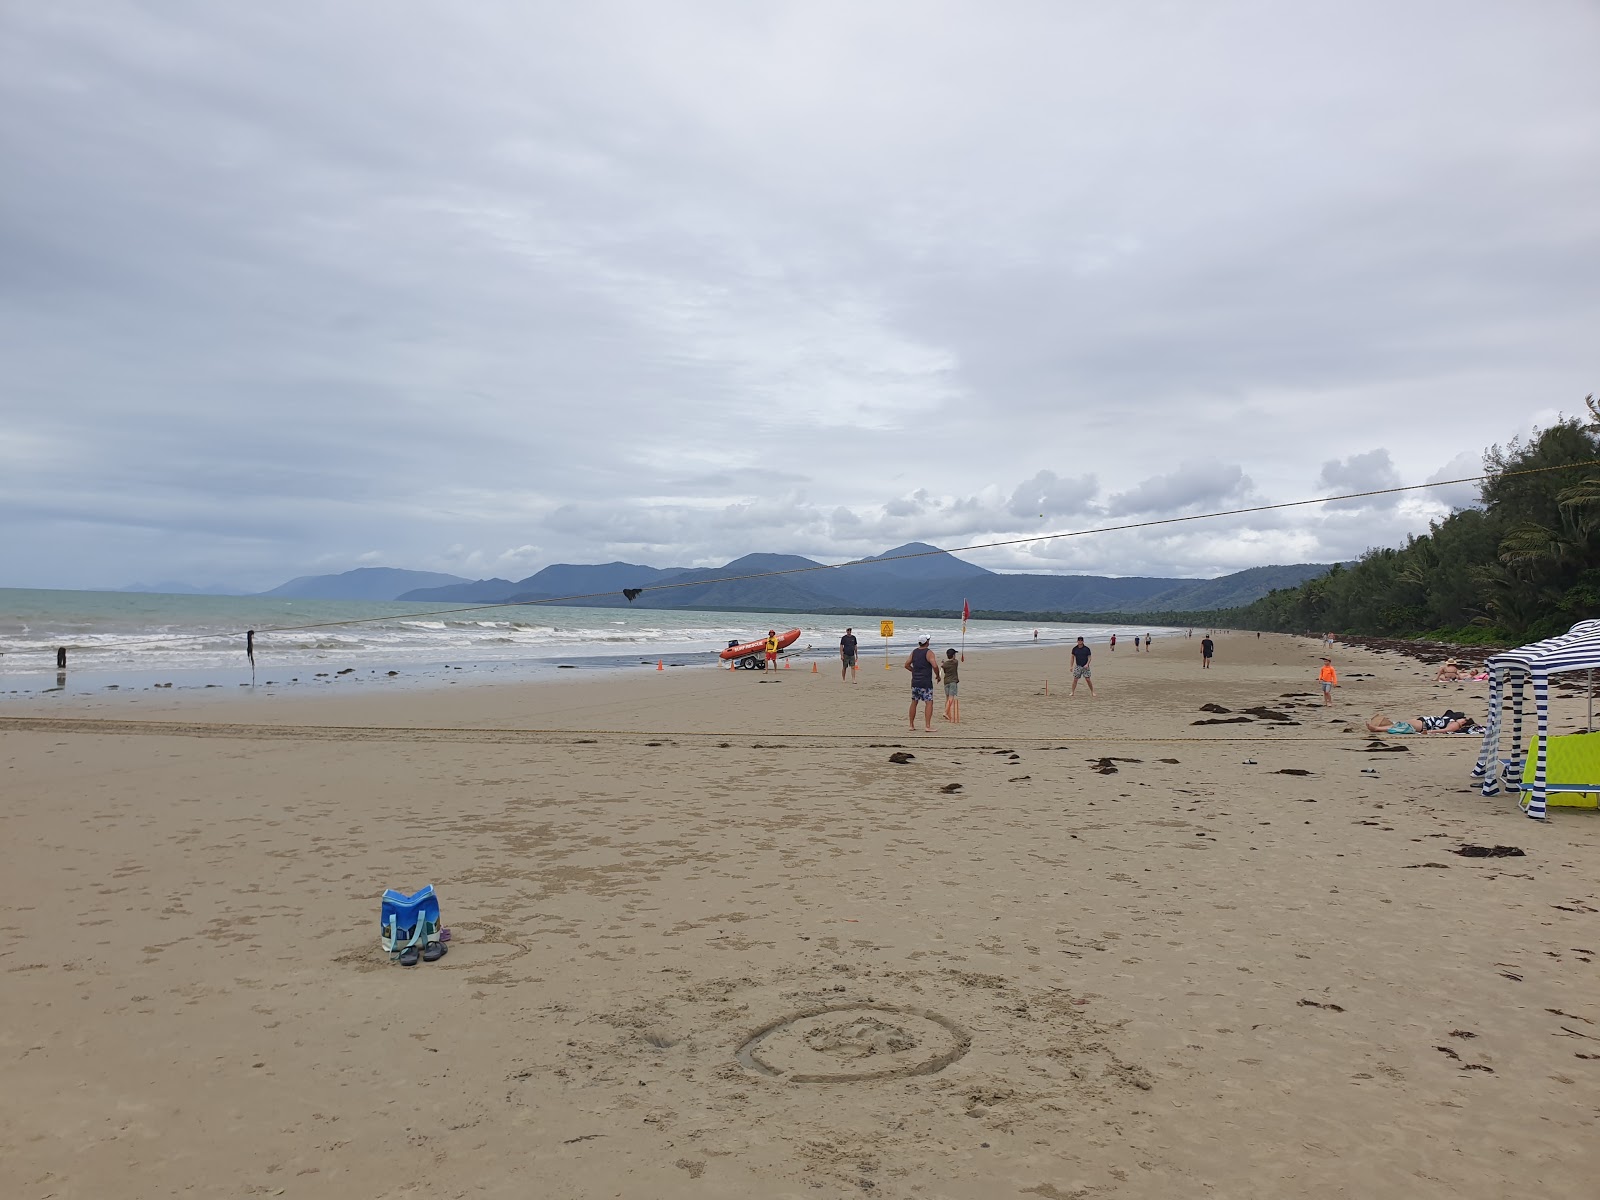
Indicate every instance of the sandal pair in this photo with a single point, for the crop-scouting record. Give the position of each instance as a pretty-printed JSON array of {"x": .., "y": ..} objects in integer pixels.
[{"x": 432, "y": 952}]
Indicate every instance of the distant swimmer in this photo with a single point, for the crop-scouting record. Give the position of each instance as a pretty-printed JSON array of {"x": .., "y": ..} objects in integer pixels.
[
  {"x": 1080, "y": 667},
  {"x": 847, "y": 654}
]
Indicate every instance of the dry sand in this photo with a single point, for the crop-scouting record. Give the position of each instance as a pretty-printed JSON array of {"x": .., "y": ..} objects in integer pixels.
[{"x": 1193, "y": 977}]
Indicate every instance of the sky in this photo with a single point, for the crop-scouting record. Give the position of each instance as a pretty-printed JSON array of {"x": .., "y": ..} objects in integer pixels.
[{"x": 299, "y": 287}]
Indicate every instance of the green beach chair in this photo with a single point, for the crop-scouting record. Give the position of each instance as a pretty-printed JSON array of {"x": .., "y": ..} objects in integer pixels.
[{"x": 1572, "y": 771}]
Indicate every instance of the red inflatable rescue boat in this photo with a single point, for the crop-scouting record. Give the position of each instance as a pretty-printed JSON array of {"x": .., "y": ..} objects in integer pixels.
[{"x": 754, "y": 653}]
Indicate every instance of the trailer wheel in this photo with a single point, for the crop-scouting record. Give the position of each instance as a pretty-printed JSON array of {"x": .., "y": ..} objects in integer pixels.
[{"x": 748, "y": 664}]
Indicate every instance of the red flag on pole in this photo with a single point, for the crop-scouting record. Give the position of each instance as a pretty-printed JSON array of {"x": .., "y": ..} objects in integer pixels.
[{"x": 966, "y": 611}]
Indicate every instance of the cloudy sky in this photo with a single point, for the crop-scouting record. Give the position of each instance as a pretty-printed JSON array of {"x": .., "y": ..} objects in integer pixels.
[{"x": 299, "y": 287}]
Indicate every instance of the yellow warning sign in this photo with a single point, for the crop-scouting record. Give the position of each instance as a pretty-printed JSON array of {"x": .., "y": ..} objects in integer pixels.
[{"x": 885, "y": 628}]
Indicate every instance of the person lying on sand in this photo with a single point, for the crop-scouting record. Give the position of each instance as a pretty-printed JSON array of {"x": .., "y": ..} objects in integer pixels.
[{"x": 1449, "y": 722}]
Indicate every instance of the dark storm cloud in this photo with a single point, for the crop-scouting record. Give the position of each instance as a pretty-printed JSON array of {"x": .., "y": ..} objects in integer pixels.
[{"x": 483, "y": 287}]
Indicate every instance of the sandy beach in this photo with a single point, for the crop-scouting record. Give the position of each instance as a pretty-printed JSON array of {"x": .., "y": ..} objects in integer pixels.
[{"x": 708, "y": 940}]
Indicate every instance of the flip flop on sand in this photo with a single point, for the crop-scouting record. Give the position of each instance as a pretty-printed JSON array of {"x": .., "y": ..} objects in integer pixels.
[
  {"x": 410, "y": 956},
  {"x": 434, "y": 952}
]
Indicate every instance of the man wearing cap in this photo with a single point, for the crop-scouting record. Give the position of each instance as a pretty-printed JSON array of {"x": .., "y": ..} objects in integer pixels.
[
  {"x": 847, "y": 653},
  {"x": 924, "y": 670}
]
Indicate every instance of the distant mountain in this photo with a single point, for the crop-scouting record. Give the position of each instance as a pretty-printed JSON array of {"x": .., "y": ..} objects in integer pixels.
[
  {"x": 478, "y": 591},
  {"x": 1231, "y": 591},
  {"x": 913, "y": 577},
  {"x": 558, "y": 579},
  {"x": 364, "y": 583},
  {"x": 573, "y": 579}
]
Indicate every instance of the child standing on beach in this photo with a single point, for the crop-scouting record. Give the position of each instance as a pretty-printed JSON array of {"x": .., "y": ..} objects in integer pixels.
[
  {"x": 952, "y": 706},
  {"x": 1329, "y": 680}
]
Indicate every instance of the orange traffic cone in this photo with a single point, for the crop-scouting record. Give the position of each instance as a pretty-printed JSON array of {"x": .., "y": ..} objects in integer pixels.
[
  {"x": 659, "y": 667},
  {"x": 813, "y": 668},
  {"x": 786, "y": 664}
]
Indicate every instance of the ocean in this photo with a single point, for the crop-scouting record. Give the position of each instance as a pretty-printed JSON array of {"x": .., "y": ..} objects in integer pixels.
[{"x": 134, "y": 639}]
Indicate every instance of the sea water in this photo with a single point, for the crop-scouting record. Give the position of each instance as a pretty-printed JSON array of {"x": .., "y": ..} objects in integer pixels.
[{"x": 138, "y": 639}]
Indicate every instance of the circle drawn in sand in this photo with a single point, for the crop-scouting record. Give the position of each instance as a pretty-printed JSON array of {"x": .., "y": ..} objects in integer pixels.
[
  {"x": 852, "y": 1043},
  {"x": 485, "y": 934}
]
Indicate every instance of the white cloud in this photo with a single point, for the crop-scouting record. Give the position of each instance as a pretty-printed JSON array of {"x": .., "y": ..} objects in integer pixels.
[
  {"x": 1193, "y": 484},
  {"x": 1049, "y": 495},
  {"x": 1368, "y": 472},
  {"x": 490, "y": 289}
]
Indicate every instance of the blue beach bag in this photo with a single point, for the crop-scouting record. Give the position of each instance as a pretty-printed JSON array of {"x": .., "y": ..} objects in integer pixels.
[{"x": 409, "y": 919}]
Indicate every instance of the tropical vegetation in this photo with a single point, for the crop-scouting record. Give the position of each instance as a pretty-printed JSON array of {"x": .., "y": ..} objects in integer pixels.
[{"x": 1522, "y": 564}]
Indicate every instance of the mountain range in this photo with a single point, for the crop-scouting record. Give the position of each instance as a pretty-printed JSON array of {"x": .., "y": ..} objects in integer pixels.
[{"x": 913, "y": 577}]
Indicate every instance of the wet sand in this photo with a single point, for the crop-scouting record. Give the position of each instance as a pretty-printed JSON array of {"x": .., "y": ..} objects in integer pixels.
[{"x": 708, "y": 940}]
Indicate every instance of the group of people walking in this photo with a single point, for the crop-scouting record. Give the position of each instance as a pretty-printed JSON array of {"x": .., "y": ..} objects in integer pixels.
[{"x": 927, "y": 668}]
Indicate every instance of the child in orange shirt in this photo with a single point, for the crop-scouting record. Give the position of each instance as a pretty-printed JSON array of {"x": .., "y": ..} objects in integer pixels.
[{"x": 1329, "y": 679}]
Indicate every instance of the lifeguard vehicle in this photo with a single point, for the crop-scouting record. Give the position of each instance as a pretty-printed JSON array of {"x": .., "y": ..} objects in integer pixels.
[{"x": 752, "y": 656}]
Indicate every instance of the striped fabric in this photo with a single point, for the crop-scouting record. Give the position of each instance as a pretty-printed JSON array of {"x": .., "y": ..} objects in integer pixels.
[{"x": 1576, "y": 650}]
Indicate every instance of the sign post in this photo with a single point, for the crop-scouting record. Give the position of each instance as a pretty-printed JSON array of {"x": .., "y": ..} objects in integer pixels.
[{"x": 886, "y": 631}]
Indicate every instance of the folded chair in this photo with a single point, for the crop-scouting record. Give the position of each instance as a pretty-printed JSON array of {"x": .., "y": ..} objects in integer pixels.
[{"x": 1572, "y": 771}]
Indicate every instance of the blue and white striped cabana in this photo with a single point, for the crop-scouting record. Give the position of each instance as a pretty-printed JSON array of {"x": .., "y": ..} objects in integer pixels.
[{"x": 1576, "y": 650}]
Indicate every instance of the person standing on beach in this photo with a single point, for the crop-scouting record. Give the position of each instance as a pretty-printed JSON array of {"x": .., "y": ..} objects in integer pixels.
[
  {"x": 1113, "y": 641},
  {"x": 1148, "y": 643},
  {"x": 1329, "y": 680},
  {"x": 1135, "y": 643},
  {"x": 847, "y": 654},
  {"x": 772, "y": 649},
  {"x": 952, "y": 674},
  {"x": 1080, "y": 667},
  {"x": 1206, "y": 647},
  {"x": 924, "y": 670}
]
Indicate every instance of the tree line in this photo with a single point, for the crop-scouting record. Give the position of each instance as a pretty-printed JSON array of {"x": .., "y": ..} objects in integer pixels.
[{"x": 1520, "y": 565}]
